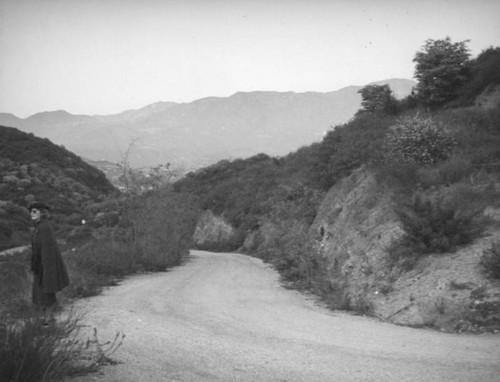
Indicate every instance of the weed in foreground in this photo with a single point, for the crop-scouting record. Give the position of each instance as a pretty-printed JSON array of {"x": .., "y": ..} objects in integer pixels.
[{"x": 31, "y": 350}]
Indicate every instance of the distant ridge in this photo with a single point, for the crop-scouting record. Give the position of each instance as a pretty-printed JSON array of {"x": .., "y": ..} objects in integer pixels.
[{"x": 201, "y": 132}]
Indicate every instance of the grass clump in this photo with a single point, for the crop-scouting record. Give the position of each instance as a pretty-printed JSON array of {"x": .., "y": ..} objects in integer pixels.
[{"x": 32, "y": 351}]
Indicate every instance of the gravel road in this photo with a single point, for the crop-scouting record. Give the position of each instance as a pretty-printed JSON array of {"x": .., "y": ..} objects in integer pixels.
[{"x": 226, "y": 317}]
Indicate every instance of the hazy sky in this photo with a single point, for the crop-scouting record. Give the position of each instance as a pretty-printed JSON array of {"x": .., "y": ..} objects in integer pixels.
[{"x": 107, "y": 56}]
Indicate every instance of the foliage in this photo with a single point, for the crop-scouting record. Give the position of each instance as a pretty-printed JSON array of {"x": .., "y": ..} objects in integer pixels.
[
  {"x": 294, "y": 203},
  {"x": 14, "y": 221},
  {"x": 490, "y": 261},
  {"x": 237, "y": 188},
  {"x": 416, "y": 140},
  {"x": 349, "y": 146},
  {"x": 15, "y": 287},
  {"x": 31, "y": 351},
  {"x": 293, "y": 254},
  {"x": 27, "y": 149},
  {"x": 159, "y": 227},
  {"x": 377, "y": 99},
  {"x": 484, "y": 74},
  {"x": 154, "y": 233},
  {"x": 442, "y": 68},
  {"x": 439, "y": 222},
  {"x": 32, "y": 168},
  {"x": 477, "y": 132}
]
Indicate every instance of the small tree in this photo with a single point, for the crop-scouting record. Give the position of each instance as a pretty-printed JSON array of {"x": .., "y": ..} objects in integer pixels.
[
  {"x": 377, "y": 98},
  {"x": 442, "y": 68}
]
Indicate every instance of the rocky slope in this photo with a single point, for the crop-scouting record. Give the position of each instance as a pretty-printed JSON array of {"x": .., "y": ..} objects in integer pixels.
[
  {"x": 353, "y": 231},
  {"x": 354, "y": 228}
]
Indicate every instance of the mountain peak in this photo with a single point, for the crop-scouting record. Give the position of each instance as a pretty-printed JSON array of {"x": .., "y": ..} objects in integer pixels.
[
  {"x": 56, "y": 116},
  {"x": 208, "y": 129}
]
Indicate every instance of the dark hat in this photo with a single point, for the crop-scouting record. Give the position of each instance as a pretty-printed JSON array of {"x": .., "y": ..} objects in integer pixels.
[{"x": 38, "y": 206}]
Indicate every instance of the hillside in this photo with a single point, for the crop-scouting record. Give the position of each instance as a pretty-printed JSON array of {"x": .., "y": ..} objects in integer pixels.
[
  {"x": 203, "y": 131},
  {"x": 33, "y": 168},
  {"x": 394, "y": 214}
]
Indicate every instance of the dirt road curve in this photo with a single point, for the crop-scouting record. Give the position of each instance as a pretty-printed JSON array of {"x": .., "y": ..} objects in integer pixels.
[{"x": 225, "y": 317}]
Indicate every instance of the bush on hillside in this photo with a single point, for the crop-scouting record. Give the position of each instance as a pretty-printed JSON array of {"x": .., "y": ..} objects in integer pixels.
[
  {"x": 350, "y": 146},
  {"x": 477, "y": 133},
  {"x": 439, "y": 222},
  {"x": 297, "y": 202},
  {"x": 417, "y": 140},
  {"x": 485, "y": 73},
  {"x": 292, "y": 253},
  {"x": 453, "y": 170}
]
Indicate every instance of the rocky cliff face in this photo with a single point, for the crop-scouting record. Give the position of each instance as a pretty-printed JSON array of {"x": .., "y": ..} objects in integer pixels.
[{"x": 354, "y": 228}]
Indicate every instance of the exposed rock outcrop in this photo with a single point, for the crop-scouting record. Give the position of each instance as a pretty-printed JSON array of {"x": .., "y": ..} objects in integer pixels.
[{"x": 354, "y": 228}]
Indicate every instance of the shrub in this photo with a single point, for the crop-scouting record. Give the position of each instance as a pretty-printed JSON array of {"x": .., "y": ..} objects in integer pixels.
[
  {"x": 452, "y": 171},
  {"x": 417, "y": 140},
  {"x": 159, "y": 228},
  {"x": 477, "y": 132},
  {"x": 107, "y": 256},
  {"x": 490, "y": 261},
  {"x": 439, "y": 222},
  {"x": 350, "y": 146},
  {"x": 292, "y": 252},
  {"x": 485, "y": 72}
]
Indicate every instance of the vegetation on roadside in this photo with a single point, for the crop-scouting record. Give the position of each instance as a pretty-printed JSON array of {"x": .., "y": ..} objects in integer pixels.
[
  {"x": 31, "y": 351},
  {"x": 152, "y": 232}
]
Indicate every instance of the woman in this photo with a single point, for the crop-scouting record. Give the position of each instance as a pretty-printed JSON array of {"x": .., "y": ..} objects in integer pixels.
[{"x": 49, "y": 271}]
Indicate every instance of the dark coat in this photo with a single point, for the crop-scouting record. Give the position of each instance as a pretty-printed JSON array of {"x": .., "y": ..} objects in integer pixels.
[{"x": 46, "y": 260}]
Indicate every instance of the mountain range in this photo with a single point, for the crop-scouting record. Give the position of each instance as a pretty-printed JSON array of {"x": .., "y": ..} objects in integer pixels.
[{"x": 201, "y": 132}]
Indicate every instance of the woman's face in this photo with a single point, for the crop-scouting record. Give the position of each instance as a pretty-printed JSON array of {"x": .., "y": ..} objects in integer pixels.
[{"x": 35, "y": 214}]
